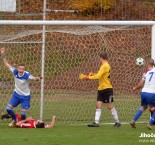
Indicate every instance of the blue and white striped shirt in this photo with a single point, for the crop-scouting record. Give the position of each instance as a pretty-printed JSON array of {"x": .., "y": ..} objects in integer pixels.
[{"x": 21, "y": 82}]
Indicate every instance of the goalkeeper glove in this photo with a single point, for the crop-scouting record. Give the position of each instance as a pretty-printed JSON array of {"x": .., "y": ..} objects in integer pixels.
[{"x": 83, "y": 77}]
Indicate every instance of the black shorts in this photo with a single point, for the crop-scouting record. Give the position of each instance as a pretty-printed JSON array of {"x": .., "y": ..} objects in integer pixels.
[{"x": 105, "y": 96}]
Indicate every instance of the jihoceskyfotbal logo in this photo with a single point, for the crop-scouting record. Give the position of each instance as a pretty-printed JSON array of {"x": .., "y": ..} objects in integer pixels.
[
  {"x": 147, "y": 138},
  {"x": 145, "y": 135}
]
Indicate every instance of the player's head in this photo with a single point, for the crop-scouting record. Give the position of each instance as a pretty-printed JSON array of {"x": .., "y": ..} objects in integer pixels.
[
  {"x": 21, "y": 68},
  {"x": 40, "y": 124},
  {"x": 103, "y": 57},
  {"x": 150, "y": 63}
]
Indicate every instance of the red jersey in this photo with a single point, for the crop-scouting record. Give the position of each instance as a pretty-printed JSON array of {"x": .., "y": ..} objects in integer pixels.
[
  {"x": 29, "y": 124},
  {"x": 18, "y": 117}
]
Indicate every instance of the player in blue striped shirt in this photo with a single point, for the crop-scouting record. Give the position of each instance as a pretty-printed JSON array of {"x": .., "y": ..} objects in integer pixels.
[{"x": 21, "y": 94}]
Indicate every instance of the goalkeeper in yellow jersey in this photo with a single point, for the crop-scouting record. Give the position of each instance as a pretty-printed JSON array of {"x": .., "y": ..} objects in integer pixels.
[{"x": 105, "y": 91}]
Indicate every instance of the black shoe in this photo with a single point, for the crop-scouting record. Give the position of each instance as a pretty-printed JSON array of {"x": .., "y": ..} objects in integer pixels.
[
  {"x": 133, "y": 124},
  {"x": 117, "y": 124},
  {"x": 5, "y": 116},
  {"x": 93, "y": 125}
]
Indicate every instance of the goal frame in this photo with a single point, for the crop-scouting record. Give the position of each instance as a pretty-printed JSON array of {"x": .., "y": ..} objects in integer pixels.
[{"x": 44, "y": 23}]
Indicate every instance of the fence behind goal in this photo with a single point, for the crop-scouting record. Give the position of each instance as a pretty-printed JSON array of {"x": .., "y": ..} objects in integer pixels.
[{"x": 70, "y": 50}]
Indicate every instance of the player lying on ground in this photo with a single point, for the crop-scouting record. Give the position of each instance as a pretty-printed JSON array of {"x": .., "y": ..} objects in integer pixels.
[
  {"x": 21, "y": 93},
  {"x": 150, "y": 65},
  {"x": 105, "y": 90},
  {"x": 29, "y": 122}
]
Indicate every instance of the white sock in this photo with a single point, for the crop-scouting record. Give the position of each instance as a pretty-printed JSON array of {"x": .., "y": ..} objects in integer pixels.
[
  {"x": 97, "y": 115},
  {"x": 114, "y": 114}
]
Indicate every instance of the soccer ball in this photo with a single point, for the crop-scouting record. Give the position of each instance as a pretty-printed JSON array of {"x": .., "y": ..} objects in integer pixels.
[{"x": 140, "y": 61}]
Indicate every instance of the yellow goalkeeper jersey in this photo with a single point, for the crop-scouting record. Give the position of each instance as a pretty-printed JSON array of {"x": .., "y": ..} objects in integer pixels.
[{"x": 103, "y": 76}]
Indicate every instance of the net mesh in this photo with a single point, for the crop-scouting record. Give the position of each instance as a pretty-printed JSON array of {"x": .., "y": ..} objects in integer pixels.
[{"x": 70, "y": 50}]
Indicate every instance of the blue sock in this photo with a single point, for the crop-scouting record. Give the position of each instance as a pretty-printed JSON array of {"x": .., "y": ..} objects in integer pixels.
[
  {"x": 152, "y": 120},
  {"x": 11, "y": 113},
  {"x": 137, "y": 115},
  {"x": 23, "y": 115}
]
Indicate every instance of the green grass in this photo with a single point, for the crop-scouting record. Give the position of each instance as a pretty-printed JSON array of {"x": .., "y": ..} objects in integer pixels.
[
  {"x": 74, "y": 135},
  {"x": 78, "y": 109}
]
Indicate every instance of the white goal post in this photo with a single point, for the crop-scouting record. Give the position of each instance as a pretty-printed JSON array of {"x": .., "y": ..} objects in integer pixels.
[
  {"x": 75, "y": 22},
  {"x": 69, "y": 23},
  {"x": 153, "y": 42}
]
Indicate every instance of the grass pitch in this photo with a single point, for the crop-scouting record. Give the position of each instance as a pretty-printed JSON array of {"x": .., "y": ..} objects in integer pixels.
[
  {"x": 72, "y": 111},
  {"x": 76, "y": 135}
]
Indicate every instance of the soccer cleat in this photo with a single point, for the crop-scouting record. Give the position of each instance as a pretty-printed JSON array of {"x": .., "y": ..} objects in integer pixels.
[
  {"x": 5, "y": 116},
  {"x": 117, "y": 124},
  {"x": 10, "y": 124},
  {"x": 93, "y": 125},
  {"x": 133, "y": 124},
  {"x": 149, "y": 127}
]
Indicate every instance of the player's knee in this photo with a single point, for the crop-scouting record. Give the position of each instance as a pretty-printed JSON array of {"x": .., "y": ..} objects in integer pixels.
[
  {"x": 142, "y": 108},
  {"x": 23, "y": 113},
  {"x": 9, "y": 108},
  {"x": 109, "y": 106},
  {"x": 99, "y": 105}
]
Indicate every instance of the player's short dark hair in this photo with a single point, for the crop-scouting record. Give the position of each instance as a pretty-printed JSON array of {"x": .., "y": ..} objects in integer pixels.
[
  {"x": 21, "y": 64},
  {"x": 151, "y": 62},
  {"x": 40, "y": 125},
  {"x": 104, "y": 56}
]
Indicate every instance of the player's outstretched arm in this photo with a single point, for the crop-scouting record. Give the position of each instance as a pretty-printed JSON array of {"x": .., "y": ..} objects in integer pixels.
[
  {"x": 99, "y": 74},
  {"x": 37, "y": 78},
  {"x": 4, "y": 58},
  {"x": 85, "y": 77},
  {"x": 52, "y": 122},
  {"x": 140, "y": 85},
  {"x": 23, "y": 121}
]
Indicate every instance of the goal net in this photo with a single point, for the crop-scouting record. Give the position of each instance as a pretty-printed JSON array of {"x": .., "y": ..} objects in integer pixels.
[{"x": 70, "y": 50}]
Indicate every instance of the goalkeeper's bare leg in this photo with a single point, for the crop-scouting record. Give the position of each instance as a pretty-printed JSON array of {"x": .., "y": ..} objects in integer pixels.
[
  {"x": 98, "y": 114},
  {"x": 114, "y": 114}
]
